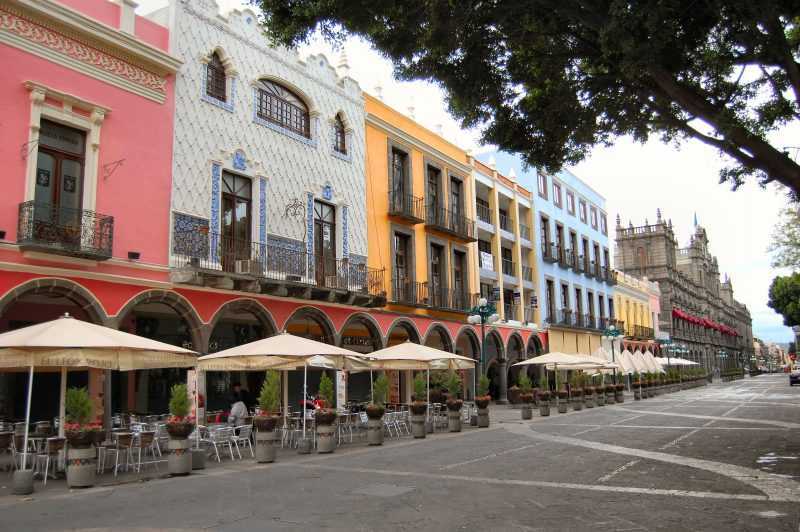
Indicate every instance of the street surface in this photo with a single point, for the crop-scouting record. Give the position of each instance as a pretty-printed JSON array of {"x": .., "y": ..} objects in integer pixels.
[{"x": 722, "y": 457}]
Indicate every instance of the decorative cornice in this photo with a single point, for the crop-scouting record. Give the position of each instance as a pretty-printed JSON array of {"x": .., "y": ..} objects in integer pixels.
[{"x": 80, "y": 49}]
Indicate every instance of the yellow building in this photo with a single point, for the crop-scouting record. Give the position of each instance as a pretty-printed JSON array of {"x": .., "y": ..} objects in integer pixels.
[
  {"x": 636, "y": 317},
  {"x": 505, "y": 250}
]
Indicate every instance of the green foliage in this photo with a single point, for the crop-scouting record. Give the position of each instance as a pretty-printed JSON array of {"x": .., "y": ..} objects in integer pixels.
[
  {"x": 525, "y": 384},
  {"x": 179, "y": 405},
  {"x": 784, "y": 298},
  {"x": 453, "y": 383},
  {"x": 380, "y": 390},
  {"x": 636, "y": 376},
  {"x": 483, "y": 385},
  {"x": 326, "y": 390},
  {"x": 785, "y": 244},
  {"x": 550, "y": 80},
  {"x": 269, "y": 399},
  {"x": 544, "y": 384},
  {"x": 438, "y": 379},
  {"x": 78, "y": 406},
  {"x": 420, "y": 387}
]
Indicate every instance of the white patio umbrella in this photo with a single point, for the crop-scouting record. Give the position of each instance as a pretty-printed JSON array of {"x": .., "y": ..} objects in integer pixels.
[
  {"x": 67, "y": 342},
  {"x": 565, "y": 360},
  {"x": 282, "y": 351},
  {"x": 639, "y": 362},
  {"x": 651, "y": 360},
  {"x": 409, "y": 355}
]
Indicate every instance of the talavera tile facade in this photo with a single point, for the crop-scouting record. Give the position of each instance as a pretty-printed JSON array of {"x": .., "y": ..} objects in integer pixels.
[{"x": 212, "y": 137}]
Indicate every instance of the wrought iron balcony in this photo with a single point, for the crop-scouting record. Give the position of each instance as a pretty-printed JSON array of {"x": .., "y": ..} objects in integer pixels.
[
  {"x": 563, "y": 257},
  {"x": 65, "y": 231},
  {"x": 450, "y": 222},
  {"x": 454, "y": 301},
  {"x": 509, "y": 267},
  {"x": 611, "y": 276},
  {"x": 580, "y": 264},
  {"x": 484, "y": 214},
  {"x": 527, "y": 273},
  {"x": 505, "y": 222},
  {"x": 409, "y": 292},
  {"x": 640, "y": 332},
  {"x": 591, "y": 269},
  {"x": 566, "y": 317},
  {"x": 406, "y": 207},
  {"x": 549, "y": 252},
  {"x": 510, "y": 311},
  {"x": 529, "y": 315},
  {"x": 524, "y": 232},
  {"x": 208, "y": 255}
]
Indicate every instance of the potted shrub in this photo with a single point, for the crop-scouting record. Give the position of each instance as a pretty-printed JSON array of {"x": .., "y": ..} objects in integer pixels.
[
  {"x": 179, "y": 427},
  {"x": 454, "y": 403},
  {"x": 482, "y": 401},
  {"x": 81, "y": 466},
  {"x": 269, "y": 404},
  {"x": 419, "y": 408},
  {"x": 637, "y": 387},
  {"x": 588, "y": 396},
  {"x": 544, "y": 396},
  {"x": 619, "y": 395},
  {"x": 513, "y": 395},
  {"x": 375, "y": 410},
  {"x": 563, "y": 398},
  {"x": 325, "y": 417},
  {"x": 526, "y": 395},
  {"x": 576, "y": 390}
]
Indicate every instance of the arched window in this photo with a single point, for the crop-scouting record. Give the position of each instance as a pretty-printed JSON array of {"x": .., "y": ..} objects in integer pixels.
[
  {"x": 215, "y": 78},
  {"x": 281, "y": 106},
  {"x": 339, "y": 135}
]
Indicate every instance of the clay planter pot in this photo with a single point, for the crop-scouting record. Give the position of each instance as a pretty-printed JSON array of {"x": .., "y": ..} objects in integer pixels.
[
  {"x": 600, "y": 397},
  {"x": 179, "y": 461},
  {"x": 588, "y": 397},
  {"x": 637, "y": 391},
  {"x": 619, "y": 393},
  {"x": 514, "y": 395},
  {"x": 375, "y": 424},
  {"x": 609, "y": 391},
  {"x": 563, "y": 398},
  {"x": 81, "y": 458},
  {"x": 265, "y": 438},
  {"x": 419, "y": 410},
  {"x": 527, "y": 399},
  {"x": 326, "y": 430},
  {"x": 577, "y": 400},
  {"x": 544, "y": 404},
  {"x": 482, "y": 402},
  {"x": 454, "y": 414}
]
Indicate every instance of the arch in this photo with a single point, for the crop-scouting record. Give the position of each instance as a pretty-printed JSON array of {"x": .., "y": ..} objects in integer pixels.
[
  {"x": 314, "y": 314},
  {"x": 493, "y": 339},
  {"x": 244, "y": 304},
  {"x": 444, "y": 336},
  {"x": 535, "y": 347},
  {"x": 342, "y": 116},
  {"x": 369, "y": 322},
  {"x": 471, "y": 336},
  {"x": 291, "y": 87},
  {"x": 408, "y": 325},
  {"x": 224, "y": 58},
  {"x": 515, "y": 347},
  {"x": 176, "y": 302},
  {"x": 65, "y": 288},
  {"x": 340, "y": 130}
]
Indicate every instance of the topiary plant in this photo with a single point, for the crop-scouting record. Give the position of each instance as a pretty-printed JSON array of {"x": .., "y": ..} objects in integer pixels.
[
  {"x": 525, "y": 384},
  {"x": 380, "y": 390},
  {"x": 419, "y": 387},
  {"x": 453, "y": 384},
  {"x": 326, "y": 390},
  {"x": 179, "y": 404},
  {"x": 544, "y": 384},
  {"x": 78, "y": 406},
  {"x": 483, "y": 385},
  {"x": 269, "y": 399}
]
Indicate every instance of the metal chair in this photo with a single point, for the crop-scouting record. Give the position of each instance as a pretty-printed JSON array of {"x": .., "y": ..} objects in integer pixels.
[
  {"x": 52, "y": 452},
  {"x": 119, "y": 448},
  {"x": 243, "y": 437},
  {"x": 145, "y": 441},
  {"x": 220, "y": 437}
]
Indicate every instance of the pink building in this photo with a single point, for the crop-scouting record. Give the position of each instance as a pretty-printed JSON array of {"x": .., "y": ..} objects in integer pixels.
[{"x": 87, "y": 120}]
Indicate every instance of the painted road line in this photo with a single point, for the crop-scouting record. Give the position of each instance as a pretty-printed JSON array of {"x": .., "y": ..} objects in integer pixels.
[
  {"x": 783, "y": 424},
  {"x": 620, "y": 469}
]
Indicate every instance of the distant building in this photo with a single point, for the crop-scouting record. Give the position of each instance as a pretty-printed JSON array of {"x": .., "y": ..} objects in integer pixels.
[
  {"x": 637, "y": 304},
  {"x": 698, "y": 311}
]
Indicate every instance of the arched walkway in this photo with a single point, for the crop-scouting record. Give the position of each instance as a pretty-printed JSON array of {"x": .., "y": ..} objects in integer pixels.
[
  {"x": 400, "y": 385},
  {"x": 402, "y": 330},
  {"x": 55, "y": 296},
  {"x": 308, "y": 322},
  {"x": 468, "y": 345},
  {"x": 494, "y": 356},
  {"x": 439, "y": 338},
  {"x": 360, "y": 333},
  {"x": 515, "y": 354}
]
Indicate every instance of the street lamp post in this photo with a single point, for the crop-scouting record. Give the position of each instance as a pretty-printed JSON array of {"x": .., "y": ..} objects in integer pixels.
[
  {"x": 612, "y": 332},
  {"x": 481, "y": 314}
]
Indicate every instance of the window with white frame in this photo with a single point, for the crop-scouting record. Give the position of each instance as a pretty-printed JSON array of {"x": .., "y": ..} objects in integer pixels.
[
  {"x": 593, "y": 213},
  {"x": 543, "y": 185},
  {"x": 557, "y": 194},
  {"x": 603, "y": 224},
  {"x": 571, "y": 203},
  {"x": 582, "y": 209}
]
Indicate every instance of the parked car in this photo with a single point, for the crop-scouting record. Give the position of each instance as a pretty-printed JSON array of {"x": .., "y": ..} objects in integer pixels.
[{"x": 794, "y": 377}]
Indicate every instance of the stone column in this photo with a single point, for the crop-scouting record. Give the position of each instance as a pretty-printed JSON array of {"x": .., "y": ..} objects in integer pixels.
[{"x": 503, "y": 374}]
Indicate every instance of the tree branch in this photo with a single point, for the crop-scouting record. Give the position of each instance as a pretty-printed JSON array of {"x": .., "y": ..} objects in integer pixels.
[{"x": 787, "y": 58}]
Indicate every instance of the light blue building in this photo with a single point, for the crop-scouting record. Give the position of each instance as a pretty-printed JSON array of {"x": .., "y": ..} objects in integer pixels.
[{"x": 575, "y": 280}]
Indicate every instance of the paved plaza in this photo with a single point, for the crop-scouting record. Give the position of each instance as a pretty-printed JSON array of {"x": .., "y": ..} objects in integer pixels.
[{"x": 723, "y": 457}]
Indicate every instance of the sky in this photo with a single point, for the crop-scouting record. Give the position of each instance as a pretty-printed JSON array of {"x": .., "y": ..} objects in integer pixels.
[{"x": 635, "y": 179}]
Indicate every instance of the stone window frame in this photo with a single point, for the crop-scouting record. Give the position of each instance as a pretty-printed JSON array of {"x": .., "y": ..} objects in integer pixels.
[
  {"x": 313, "y": 112},
  {"x": 570, "y": 194},
  {"x": 444, "y": 182},
  {"x": 583, "y": 210},
  {"x": 558, "y": 194},
  {"x": 91, "y": 125},
  {"x": 347, "y": 156},
  {"x": 231, "y": 76},
  {"x": 394, "y": 144},
  {"x": 412, "y": 259},
  {"x": 556, "y": 296},
  {"x": 445, "y": 245},
  {"x": 458, "y": 248},
  {"x": 541, "y": 185}
]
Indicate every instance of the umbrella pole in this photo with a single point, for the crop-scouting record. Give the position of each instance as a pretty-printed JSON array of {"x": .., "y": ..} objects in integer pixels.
[
  {"x": 429, "y": 390},
  {"x": 371, "y": 391},
  {"x": 197, "y": 410},
  {"x": 305, "y": 396},
  {"x": 62, "y": 402},
  {"x": 27, "y": 420}
]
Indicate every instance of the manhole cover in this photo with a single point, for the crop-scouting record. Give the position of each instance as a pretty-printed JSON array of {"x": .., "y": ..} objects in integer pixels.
[{"x": 383, "y": 490}]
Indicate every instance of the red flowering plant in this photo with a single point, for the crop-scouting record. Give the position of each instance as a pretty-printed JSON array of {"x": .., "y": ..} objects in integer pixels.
[{"x": 180, "y": 424}]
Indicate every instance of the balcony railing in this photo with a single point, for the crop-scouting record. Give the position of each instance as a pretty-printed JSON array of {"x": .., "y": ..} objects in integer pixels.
[
  {"x": 406, "y": 206},
  {"x": 65, "y": 231},
  {"x": 409, "y": 292},
  {"x": 611, "y": 276},
  {"x": 524, "y": 232},
  {"x": 580, "y": 264},
  {"x": 211, "y": 252},
  {"x": 566, "y": 317},
  {"x": 549, "y": 252},
  {"x": 530, "y": 314},
  {"x": 510, "y": 311},
  {"x": 591, "y": 269},
  {"x": 509, "y": 267},
  {"x": 505, "y": 222},
  {"x": 527, "y": 273},
  {"x": 563, "y": 257},
  {"x": 450, "y": 222},
  {"x": 483, "y": 212},
  {"x": 638, "y": 331}
]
